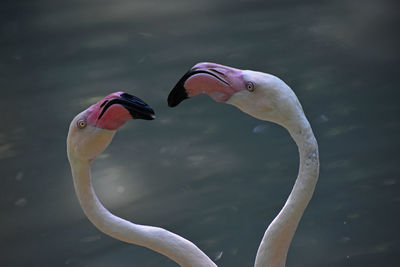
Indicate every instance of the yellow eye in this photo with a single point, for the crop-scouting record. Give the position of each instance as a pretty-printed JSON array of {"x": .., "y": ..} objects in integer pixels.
[
  {"x": 81, "y": 124},
  {"x": 250, "y": 86}
]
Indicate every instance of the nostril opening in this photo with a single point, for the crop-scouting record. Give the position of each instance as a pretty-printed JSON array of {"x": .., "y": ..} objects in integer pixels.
[
  {"x": 105, "y": 102},
  {"x": 214, "y": 70}
]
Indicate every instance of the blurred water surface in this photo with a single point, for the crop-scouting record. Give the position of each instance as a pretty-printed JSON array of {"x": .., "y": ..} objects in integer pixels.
[{"x": 203, "y": 170}]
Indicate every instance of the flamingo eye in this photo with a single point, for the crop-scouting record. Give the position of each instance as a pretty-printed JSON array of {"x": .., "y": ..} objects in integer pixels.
[
  {"x": 250, "y": 86},
  {"x": 81, "y": 124}
]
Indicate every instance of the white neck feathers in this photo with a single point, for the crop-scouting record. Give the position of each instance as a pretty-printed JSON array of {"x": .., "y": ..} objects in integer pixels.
[
  {"x": 278, "y": 236},
  {"x": 177, "y": 248}
]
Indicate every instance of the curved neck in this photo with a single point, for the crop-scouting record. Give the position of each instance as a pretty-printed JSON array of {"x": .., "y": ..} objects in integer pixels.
[
  {"x": 178, "y": 249},
  {"x": 279, "y": 234}
]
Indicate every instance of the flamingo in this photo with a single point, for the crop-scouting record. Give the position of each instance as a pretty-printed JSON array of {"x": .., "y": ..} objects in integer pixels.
[
  {"x": 265, "y": 97},
  {"x": 90, "y": 132}
]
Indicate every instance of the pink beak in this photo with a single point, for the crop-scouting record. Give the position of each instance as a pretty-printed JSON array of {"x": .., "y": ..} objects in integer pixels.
[{"x": 218, "y": 81}]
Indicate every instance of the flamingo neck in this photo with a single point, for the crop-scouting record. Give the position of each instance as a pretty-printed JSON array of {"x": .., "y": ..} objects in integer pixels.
[
  {"x": 178, "y": 249},
  {"x": 279, "y": 234}
]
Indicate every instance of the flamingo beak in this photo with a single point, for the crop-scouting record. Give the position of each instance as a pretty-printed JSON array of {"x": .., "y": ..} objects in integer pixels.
[
  {"x": 218, "y": 81},
  {"x": 180, "y": 92},
  {"x": 137, "y": 108}
]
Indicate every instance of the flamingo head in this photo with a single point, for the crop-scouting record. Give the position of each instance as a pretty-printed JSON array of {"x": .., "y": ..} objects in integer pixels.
[
  {"x": 92, "y": 130},
  {"x": 259, "y": 94}
]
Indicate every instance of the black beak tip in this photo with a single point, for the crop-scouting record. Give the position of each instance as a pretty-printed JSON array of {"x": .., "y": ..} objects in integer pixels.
[
  {"x": 137, "y": 107},
  {"x": 178, "y": 94},
  {"x": 150, "y": 116}
]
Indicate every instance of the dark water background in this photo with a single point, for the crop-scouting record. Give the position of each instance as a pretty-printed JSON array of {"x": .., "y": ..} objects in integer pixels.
[{"x": 203, "y": 170}]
